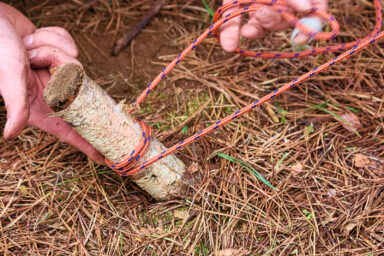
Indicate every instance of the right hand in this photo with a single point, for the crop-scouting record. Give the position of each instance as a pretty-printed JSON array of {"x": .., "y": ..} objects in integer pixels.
[{"x": 262, "y": 21}]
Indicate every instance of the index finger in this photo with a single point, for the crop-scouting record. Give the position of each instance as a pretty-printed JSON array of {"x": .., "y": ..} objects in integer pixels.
[{"x": 230, "y": 31}]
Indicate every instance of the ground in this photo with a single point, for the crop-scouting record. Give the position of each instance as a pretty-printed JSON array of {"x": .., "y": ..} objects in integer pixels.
[{"x": 328, "y": 180}]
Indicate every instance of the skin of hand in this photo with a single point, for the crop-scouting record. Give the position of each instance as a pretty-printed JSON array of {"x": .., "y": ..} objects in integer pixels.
[
  {"x": 262, "y": 21},
  {"x": 26, "y": 54}
]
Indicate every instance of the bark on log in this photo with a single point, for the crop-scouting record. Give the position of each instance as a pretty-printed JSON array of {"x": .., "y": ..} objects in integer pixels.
[{"x": 96, "y": 117}]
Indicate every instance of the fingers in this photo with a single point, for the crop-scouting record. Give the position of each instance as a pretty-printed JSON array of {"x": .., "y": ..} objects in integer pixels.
[
  {"x": 16, "y": 103},
  {"x": 253, "y": 28},
  {"x": 271, "y": 20},
  {"x": 230, "y": 31},
  {"x": 66, "y": 134},
  {"x": 311, "y": 21},
  {"x": 14, "y": 74},
  {"x": 266, "y": 19},
  {"x": 52, "y": 36},
  {"x": 262, "y": 20},
  {"x": 301, "y": 6},
  {"x": 49, "y": 56},
  {"x": 56, "y": 126}
]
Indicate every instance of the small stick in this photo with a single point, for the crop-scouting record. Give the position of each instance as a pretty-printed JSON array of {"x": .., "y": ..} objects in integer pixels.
[
  {"x": 106, "y": 125},
  {"x": 124, "y": 41}
]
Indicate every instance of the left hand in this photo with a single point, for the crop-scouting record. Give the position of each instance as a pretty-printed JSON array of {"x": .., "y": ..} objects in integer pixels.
[{"x": 26, "y": 54}]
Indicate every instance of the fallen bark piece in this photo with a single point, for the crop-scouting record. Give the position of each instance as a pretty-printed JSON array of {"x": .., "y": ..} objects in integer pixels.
[{"x": 114, "y": 133}]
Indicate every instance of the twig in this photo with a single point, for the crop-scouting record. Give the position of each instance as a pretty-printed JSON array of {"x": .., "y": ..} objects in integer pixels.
[{"x": 124, "y": 41}]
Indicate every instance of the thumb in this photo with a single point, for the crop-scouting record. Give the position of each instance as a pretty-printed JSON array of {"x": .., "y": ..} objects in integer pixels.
[
  {"x": 39, "y": 118},
  {"x": 230, "y": 31},
  {"x": 13, "y": 79},
  {"x": 16, "y": 103},
  {"x": 57, "y": 127}
]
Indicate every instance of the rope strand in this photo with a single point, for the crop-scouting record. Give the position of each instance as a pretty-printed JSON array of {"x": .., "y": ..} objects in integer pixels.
[{"x": 127, "y": 165}]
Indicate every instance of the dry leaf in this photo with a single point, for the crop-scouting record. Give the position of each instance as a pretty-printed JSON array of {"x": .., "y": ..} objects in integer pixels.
[
  {"x": 361, "y": 160},
  {"x": 181, "y": 214},
  {"x": 297, "y": 169},
  {"x": 233, "y": 252},
  {"x": 353, "y": 120}
]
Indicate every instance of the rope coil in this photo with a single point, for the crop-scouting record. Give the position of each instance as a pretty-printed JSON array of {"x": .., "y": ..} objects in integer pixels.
[
  {"x": 122, "y": 168},
  {"x": 128, "y": 165}
]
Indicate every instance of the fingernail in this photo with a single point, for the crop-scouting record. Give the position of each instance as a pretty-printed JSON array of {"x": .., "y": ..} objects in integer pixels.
[
  {"x": 7, "y": 128},
  {"x": 28, "y": 40},
  {"x": 32, "y": 54}
]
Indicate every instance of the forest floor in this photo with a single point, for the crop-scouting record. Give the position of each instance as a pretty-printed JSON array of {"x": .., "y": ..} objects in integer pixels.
[{"x": 329, "y": 181}]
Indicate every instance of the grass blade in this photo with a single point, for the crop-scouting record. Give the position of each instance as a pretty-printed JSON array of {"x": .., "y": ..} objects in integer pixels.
[
  {"x": 321, "y": 107},
  {"x": 209, "y": 10},
  {"x": 247, "y": 167}
]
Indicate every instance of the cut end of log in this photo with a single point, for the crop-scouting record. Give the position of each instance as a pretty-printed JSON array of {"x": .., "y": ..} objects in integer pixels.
[{"x": 63, "y": 86}]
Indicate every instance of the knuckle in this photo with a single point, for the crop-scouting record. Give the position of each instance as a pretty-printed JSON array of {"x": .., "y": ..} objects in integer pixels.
[
  {"x": 64, "y": 39},
  {"x": 63, "y": 32},
  {"x": 75, "y": 50}
]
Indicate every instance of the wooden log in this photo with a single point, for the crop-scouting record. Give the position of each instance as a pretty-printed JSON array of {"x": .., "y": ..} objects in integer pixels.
[{"x": 114, "y": 133}]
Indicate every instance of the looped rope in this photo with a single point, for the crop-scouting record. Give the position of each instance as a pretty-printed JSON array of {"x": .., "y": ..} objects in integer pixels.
[
  {"x": 123, "y": 167},
  {"x": 279, "y": 6}
]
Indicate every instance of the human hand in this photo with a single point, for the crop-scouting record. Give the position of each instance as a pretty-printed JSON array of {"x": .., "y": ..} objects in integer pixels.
[
  {"x": 25, "y": 56},
  {"x": 264, "y": 20}
]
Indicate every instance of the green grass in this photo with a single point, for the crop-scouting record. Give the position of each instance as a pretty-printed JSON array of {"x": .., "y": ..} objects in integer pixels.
[
  {"x": 308, "y": 214},
  {"x": 165, "y": 238},
  {"x": 247, "y": 167},
  {"x": 209, "y": 10},
  {"x": 283, "y": 113},
  {"x": 185, "y": 129},
  {"x": 322, "y": 108},
  {"x": 203, "y": 248},
  {"x": 281, "y": 161}
]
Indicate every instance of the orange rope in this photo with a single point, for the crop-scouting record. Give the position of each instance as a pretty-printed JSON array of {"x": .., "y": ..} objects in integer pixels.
[{"x": 128, "y": 165}]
